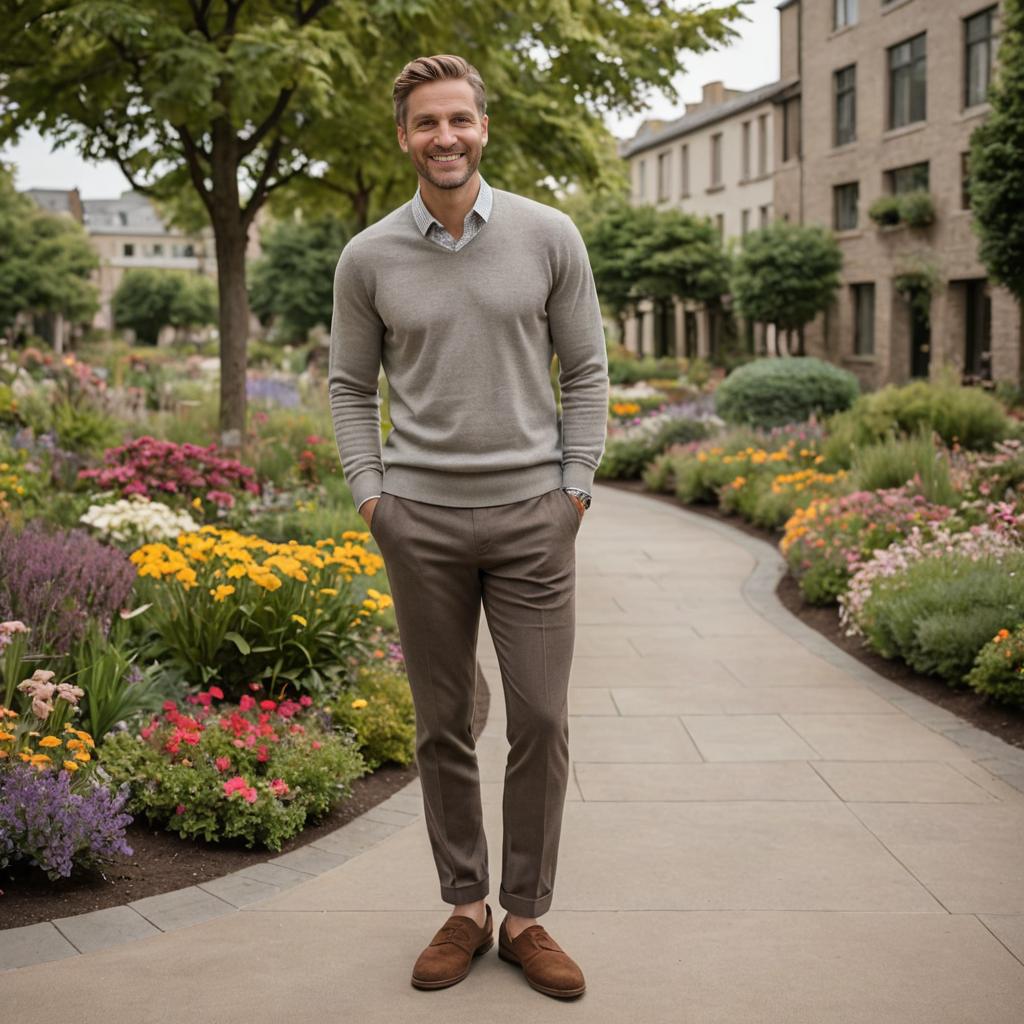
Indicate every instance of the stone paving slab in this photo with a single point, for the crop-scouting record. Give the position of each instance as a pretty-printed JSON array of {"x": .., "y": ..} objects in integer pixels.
[
  {"x": 103, "y": 928},
  {"x": 33, "y": 944},
  {"x": 874, "y": 877},
  {"x": 181, "y": 908}
]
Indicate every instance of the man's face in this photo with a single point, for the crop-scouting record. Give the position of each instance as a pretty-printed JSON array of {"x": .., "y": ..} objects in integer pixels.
[{"x": 442, "y": 121}]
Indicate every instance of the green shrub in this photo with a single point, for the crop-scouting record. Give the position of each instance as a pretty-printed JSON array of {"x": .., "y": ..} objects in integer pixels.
[
  {"x": 966, "y": 415},
  {"x": 896, "y": 461},
  {"x": 939, "y": 612},
  {"x": 378, "y": 708},
  {"x": 624, "y": 370},
  {"x": 198, "y": 774},
  {"x": 999, "y": 668},
  {"x": 772, "y": 392},
  {"x": 625, "y": 457}
]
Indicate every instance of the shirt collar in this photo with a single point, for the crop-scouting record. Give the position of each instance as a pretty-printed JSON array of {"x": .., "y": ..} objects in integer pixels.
[{"x": 424, "y": 218}]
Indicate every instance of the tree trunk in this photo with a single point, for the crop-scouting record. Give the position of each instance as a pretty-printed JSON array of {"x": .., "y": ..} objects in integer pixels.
[{"x": 233, "y": 321}]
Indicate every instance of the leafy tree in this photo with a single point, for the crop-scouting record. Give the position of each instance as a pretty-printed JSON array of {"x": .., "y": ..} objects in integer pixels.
[
  {"x": 996, "y": 162},
  {"x": 236, "y": 100},
  {"x": 45, "y": 261},
  {"x": 786, "y": 274},
  {"x": 293, "y": 282},
  {"x": 148, "y": 300}
]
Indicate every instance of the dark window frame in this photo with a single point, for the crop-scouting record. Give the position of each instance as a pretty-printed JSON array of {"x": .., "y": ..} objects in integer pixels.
[
  {"x": 908, "y": 178},
  {"x": 844, "y": 87},
  {"x": 907, "y": 64},
  {"x": 987, "y": 44},
  {"x": 838, "y": 193},
  {"x": 863, "y": 327}
]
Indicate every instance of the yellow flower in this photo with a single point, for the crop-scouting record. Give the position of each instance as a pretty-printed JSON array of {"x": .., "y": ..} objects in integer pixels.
[
  {"x": 49, "y": 741},
  {"x": 236, "y": 571},
  {"x": 71, "y": 766},
  {"x": 83, "y": 755},
  {"x": 75, "y": 744},
  {"x": 6, "y": 736},
  {"x": 40, "y": 759},
  {"x": 330, "y": 591},
  {"x": 359, "y": 703},
  {"x": 186, "y": 576},
  {"x": 221, "y": 592},
  {"x": 197, "y": 503},
  {"x": 300, "y": 620}
]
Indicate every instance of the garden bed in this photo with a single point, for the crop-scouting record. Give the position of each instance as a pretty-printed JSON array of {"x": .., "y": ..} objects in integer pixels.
[
  {"x": 162, "y": 862},
  {"x": 1005, "y": 722}
]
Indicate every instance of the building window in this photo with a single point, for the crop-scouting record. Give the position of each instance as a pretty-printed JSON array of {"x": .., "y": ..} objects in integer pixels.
[
  {"x": 720, "y": 226},
  {"x": 641, "y": 174},
  {"x": 965, "y": 181},
  {"x": 844, "y": 12},
  {"x": 912, "y": 178},
  {"x": 684, "y": 169},
  {"x": 745, "y": 166},
  {"x": 158, "y": 249},
  {"x": 791, "y": 129},
  {"x": 744, "y": 223},
  {"x": 979, "y": 38},
  {"x": 764, "y": 213},
  {"x": 844, "y": 206},
  {"x": 863, "y": 319},
  {"x": 978, "y": 330},
  {"x": 845, "y": 81},
  {"x": 664, "y": 175},
  {"x": 128, "y": 249},
  {"x": 122, "y": 218},
  {"x": 907, "y": 82},
  {"x": 716, "y": 159},
  {"x": 762, "y": 145}
]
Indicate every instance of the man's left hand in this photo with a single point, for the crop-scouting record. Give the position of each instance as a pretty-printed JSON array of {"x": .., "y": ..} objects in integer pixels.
[{"x": 579, "y": 505}]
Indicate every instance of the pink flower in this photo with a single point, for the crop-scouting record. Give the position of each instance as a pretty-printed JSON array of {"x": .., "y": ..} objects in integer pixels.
[
  {"x": 279, "y": 787},
  {"x": 223, "y": 763},
  {"x": 315, "y": 745},
  {"x": 305, "y": 700},
  {"x": 235, "y": 785},
  {"x": 180, "y": 809},
  {"x": 261, "y": 754},
  {"x": 250, "y": 795},
  {"x": 246, "y": 702},
  {"x": 268, "y": 705},
  {"x": 216, "y": 692}
]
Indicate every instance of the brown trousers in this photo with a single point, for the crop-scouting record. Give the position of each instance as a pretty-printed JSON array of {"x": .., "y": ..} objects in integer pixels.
[{"x": 519, "y": 559}]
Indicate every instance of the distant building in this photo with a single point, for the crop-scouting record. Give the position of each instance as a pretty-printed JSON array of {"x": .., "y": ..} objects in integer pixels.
[
  {"x": 128, "y": 232},
  {"x": 888, "y": 93},
  {"x": 716, "y": 161}
]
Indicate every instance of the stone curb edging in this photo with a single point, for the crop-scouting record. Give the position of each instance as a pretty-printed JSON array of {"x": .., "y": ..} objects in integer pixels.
[
  {"x": 152, "y": 915},
  {"x": 995, "y": 755}
]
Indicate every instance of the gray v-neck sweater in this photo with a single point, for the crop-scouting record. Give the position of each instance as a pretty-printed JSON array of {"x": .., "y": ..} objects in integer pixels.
[{"x": 466, "y": 339}]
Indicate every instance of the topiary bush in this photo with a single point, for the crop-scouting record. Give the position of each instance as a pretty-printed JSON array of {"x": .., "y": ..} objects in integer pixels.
[{"x": 774, "y": 391}]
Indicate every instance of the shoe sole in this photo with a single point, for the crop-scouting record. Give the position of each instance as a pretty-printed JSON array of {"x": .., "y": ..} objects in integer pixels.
[
  {"x": 446, "y": 982},
  {"x": 558, "y": 993}
]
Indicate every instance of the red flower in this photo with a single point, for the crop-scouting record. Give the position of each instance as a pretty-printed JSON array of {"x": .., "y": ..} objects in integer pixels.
[
  {"x": 216, "y": 691},
  {"x": 279, "y": 787},
  {"x": 305, "y": 700},
  {"x": 223, "y": 763},
  {"x": 261, "y": 754},
  {"x": 169, "y": 705},
  {"x": 246, "y": 702},
  {"x": 268, "y": 705}
]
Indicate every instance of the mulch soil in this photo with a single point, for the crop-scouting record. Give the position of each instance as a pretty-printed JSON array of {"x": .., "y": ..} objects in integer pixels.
[
  {"x": 978, "y": 709},
  {"x": 162, "y": 861}
]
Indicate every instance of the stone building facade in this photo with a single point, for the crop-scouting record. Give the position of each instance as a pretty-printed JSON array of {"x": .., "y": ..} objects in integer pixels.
[
  {"x": 715, "y": 161},
  {"x": 885, "y": 98}
]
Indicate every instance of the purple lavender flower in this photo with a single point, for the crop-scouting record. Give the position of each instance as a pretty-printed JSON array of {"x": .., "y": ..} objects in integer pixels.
[
  {"x": 58, "y": 582},
  {"x": 44, "y": 822}
]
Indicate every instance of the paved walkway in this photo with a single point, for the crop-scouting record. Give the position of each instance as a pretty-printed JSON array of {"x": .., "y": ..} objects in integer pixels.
[{"x": 759, "y": 830}]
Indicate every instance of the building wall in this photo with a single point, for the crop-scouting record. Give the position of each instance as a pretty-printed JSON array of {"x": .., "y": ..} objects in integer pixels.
[{"x": 870, "y": 253}]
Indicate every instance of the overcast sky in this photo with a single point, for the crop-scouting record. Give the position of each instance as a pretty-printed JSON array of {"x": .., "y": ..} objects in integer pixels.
[{"x": 752, "y": 60}]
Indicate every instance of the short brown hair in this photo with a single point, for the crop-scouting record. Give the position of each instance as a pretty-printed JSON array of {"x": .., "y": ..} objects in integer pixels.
[{"x": 441, "y": 67}]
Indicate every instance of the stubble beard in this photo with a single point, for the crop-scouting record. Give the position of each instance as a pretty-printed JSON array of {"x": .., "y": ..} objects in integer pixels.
[{"x": 453, "y": 181}]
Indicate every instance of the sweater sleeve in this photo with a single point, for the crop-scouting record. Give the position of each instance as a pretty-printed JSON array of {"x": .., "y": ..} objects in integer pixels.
[
  {"x": 577, "y": 333},
  {"x": 357, "y": 333}
]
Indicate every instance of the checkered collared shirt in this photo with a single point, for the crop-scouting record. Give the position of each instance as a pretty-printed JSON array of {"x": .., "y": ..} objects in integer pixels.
[{"x": 430, "y": 227}]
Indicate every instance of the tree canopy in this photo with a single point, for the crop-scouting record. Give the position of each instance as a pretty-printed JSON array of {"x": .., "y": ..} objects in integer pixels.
[
  {"x": 786, "y": 274},
  {"x": 215, "y": 105},
  {"x": 147, "y": 300},
  {"x": 292, "y": 283},
  {"x": 45, "y": 260},
  {"x": 996, "y": 162}
]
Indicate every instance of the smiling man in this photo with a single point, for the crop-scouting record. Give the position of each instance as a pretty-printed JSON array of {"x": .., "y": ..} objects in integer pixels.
[{"x": 463, "y": 295}]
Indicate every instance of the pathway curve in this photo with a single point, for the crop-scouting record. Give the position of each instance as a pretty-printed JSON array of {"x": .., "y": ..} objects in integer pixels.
[{"x": 759, "y": 829}]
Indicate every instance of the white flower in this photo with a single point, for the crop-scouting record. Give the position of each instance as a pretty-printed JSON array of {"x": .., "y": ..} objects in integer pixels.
[{"x": 137, "y": 518}]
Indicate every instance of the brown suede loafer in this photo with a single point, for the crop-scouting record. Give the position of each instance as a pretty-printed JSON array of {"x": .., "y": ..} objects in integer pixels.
[
  {"x": 450, "y": 955},
  {"x": 546, "y": 966}
]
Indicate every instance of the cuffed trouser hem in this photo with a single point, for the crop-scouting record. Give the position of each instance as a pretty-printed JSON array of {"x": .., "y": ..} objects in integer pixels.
[
  {"x": 522, "y": 907},
  {"x": 456, "y": 894}
]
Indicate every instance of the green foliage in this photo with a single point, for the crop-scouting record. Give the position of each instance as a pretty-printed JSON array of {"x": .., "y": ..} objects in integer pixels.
[
  {"x": 625, "y": 457},
  {"x": 630, "y": 370},
  {"x": 885, "y": 211},
  {"x": 999, "y": 668},
  {"x": 916, "y": 209},
  {"x": 46, "y": 258},
  {"x": 681, "y": 256},
  {"x": 939, "y": 612},
  {"x": 775, "y": 391},
  {"x": 786, "y": 274},
  {"x": 996, "y": 162},
  {"x": 185, "y": 794},
  {"x": 148, "y": 300},
  {"x": 896, "y": 461},
  {"x": 966, "y": 415},
  {"x": 378, "y": 708},
  {"x": 292, "y": 284}
]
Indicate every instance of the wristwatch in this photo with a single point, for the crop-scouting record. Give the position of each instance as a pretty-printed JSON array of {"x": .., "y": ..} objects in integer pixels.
[{"x": 582, "y": 495}]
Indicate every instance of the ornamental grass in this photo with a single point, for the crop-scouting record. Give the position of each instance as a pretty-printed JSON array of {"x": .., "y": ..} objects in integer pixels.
[{"x": 235, "y": 608}]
